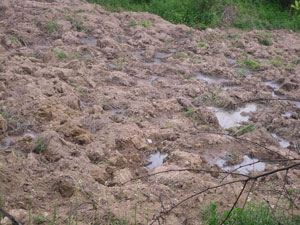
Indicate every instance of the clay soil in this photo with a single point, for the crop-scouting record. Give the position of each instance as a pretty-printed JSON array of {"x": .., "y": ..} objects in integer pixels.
[{"x": 86, "y": 96}]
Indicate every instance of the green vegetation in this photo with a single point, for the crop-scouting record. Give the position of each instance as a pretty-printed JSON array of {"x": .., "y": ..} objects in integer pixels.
[
  {"x": 251, "y": 64},
  {"x": 141, "y": 23},
  {"x": 243, "y": 14},
  {"x": 61, "y": 55},
  {"x": 251, "y": 215},
  {"x": 201, "y": 44},
  {"x": 245, "y": 129},
  {"x": 41, "y": 147},
  {"x": 52, "y": 26}
]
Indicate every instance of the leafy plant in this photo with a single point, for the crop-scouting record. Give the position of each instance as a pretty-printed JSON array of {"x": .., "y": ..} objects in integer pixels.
[
  {"x": 80, "y": 27},
  {"x": 296, "y": 6},
  {"x": 201, "y": 44}
]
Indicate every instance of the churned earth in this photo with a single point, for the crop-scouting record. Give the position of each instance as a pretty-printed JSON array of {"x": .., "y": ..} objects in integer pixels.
[{"x": 88, "y": 97}]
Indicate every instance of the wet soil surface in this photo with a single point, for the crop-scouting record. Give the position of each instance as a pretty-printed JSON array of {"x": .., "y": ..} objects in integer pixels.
[{"x": 89, "y": 100}]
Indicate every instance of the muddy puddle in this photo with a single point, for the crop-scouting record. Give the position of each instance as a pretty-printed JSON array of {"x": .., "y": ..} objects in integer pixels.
[
  {"x": 91, "y": 41},
  {"x": 287, "y": 114},
  {"x": 283, "y": 143},
  {"x": 209, "y": 79},
  {"x": 229, "y": 119},
  {"x": 244, "y": 167},
  {"x": 156, "y": 160}
]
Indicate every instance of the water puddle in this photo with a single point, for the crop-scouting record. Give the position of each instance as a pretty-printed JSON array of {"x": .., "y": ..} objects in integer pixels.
[
  {"x": 156, "y": 160},
  {"x": 229, "y": 87},
  {"x": 160, "y": 55},
  {"x": 243, "y": 72},
  {"x": 138, "y": 54},
  {"x": 287, "y": 114},
  {"x": 229, "y": 119},
  {"x": 5, "y": 143},
  {"x": 296, "y": 103},
  {"x": 283, "y": 143},
  {"x": 209, "y": 79},
  {"x": 257, "y": 166},
  {"x": 274, "y": 85},
  {"x": 91, "y": 41},
  {"x": 231, "y": 60}
]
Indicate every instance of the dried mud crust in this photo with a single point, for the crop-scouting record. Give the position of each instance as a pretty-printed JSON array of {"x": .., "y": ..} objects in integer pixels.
[{"x": 87, "y": 95}]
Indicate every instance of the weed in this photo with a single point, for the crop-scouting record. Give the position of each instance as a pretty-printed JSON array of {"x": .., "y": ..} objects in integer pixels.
[
  {"x": 238, "y": 44},
  {"x": 52, "y": 26},
  {"x": 70, "y": 19},
  {"x": 251, "y": 64},
  {"x": 276, "y": 62},
  {"x": 54, "y": 218},
  {"x": 40, "y": 218},
  {"x": 265, "y": 41},
  {"x": 190, "y": 112},
  {"x": 180, "y": 55},
  {"x": 80, "y": 27},
  {"x": 85, "y": 17},
  {"x": 61, "y": 55},
  {"x": 141, "y": 23},
  {"x": 79, "y": 11},
  {"x": 252, "y": 214},
  {"x": 41, "y": 147},
  {"x": 201, "y": 44},
  {"x": 1, "y": 69},
  {"x": 14, "y": 39},
  {"x": 119, "y": 63},
  {"x": 5, "y": 115},
  {"x": 245, "y": 129}
]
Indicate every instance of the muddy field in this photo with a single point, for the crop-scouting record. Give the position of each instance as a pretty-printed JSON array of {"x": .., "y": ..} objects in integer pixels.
[{"x": 90, "y": 99}]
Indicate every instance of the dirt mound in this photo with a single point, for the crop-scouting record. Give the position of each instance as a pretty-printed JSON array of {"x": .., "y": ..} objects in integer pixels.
[{"x": 86, "y": 96}]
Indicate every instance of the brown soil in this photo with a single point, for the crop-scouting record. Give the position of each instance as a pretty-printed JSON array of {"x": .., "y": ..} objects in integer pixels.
[{"x": 76, "y": 128}]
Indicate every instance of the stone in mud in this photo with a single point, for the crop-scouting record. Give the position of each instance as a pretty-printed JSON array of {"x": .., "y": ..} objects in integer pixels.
[
  {"x": 3, "y": 125},
  {"x": 54, "y": 149}
]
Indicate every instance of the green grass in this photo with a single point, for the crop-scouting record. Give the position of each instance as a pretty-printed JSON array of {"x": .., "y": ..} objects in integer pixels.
[
  {"x": 243, "y": 14},
  {"x": 251, "y": 215},
  {"x": 61, "y": 55},
  {"x": 250, "y": 64}
]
